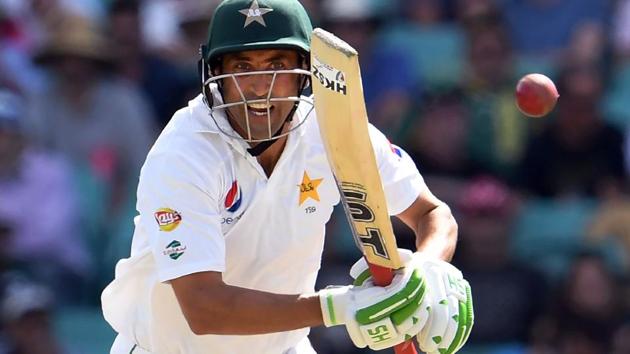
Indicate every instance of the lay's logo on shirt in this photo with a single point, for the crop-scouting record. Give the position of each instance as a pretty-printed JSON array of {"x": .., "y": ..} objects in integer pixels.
[
  {"x": 167, "y": 219},
  {"x": 233, "y": 198}
]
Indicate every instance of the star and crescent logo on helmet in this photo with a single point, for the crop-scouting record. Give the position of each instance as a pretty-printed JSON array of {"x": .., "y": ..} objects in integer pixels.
[{"x": 255, "y": 14}]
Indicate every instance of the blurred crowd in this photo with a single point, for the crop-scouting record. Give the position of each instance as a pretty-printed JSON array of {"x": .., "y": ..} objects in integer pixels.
[{"x": 543, "y": 205}]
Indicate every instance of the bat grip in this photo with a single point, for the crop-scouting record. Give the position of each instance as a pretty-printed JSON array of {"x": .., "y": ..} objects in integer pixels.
[{"x": 382, "y": 277}]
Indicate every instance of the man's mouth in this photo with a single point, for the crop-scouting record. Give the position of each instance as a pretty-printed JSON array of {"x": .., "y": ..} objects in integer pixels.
[{"x": 259, "y": 109}]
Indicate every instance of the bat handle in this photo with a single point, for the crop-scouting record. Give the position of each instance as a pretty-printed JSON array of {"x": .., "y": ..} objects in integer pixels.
[{"x": 382, "y": 277}]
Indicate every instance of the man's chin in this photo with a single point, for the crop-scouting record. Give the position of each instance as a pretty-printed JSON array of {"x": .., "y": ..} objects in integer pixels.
[
  {"x": 259, "y": 130},
  {"x": 264, "y": 135}
]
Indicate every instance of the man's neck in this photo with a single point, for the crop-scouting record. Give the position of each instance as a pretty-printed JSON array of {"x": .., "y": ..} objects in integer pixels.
[{"x": 269, "y": 158}]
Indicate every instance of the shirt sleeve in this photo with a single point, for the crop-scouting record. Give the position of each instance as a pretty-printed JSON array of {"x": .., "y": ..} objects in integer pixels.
[
  {"x": 402, "y": 182},
  {"x": 179, "y": 213}
]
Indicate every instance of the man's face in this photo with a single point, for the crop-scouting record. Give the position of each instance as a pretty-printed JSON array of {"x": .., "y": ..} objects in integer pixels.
[
  {"x": 258, "y": 87},
  {"x": 125, "y": 32}
]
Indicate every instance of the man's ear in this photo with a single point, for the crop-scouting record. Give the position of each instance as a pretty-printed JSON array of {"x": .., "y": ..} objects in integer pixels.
[
  {"x": 216, "y": 69},
  {"x": 305, "y": 61},
  {"x": 216, "y": 65}
]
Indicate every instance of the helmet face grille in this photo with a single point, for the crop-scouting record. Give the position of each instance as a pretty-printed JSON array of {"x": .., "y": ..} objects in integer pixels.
[
  {"x": 239, "y": 25},
  {"x": 212, "y": 86}
]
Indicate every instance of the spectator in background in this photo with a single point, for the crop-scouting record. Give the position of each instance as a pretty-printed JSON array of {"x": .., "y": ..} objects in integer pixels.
[
  {"x": 99, "y": 123},
  {"x": 609, "y": 227},
  {"x": 587, "y": 312},
  {"x": 621, "y": 31},
  {"x": 486, "y": 212},
  {"x": 498, "y": 132},
  {"x": 616, "y": 105},
  {"x": 159, "y": 24},
  {"x": 435, "y": 46},
  {"x": 621, "y": 340},
  {"x": 38, "y": 208},
  {"x": 16, "y": 43},
  {"x": 313, "y": 7},
  {"x": 438, "y": 137},
  {"x": 578, "y": 154},
  {"x": 387, "y": 83},
  {"x": 157, "y": 78},
  {"x": 544, "y": 28},
  {"x": 30, "y": 21},
  {"x": 470, "y": 11},
  {"x": 92, "y": 9},
  {"x": 194, "y": 19},
  {"x": 25, "y": 310},
  {"x": 587, "y": 45}
]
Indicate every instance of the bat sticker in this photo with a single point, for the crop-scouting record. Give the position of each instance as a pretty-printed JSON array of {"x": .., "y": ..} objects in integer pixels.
[
  {"x": 331, "y": 78},
  {"x": 355, "y": 198}
]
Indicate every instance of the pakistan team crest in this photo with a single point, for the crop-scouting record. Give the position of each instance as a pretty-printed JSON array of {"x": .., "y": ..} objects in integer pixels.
[
  {"x": 308, "y": 188},
  {"x": 255, "y": 14}
]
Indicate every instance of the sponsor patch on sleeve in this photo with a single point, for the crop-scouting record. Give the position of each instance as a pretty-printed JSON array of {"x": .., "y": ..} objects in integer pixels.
[
  {"x": 167, "y": 219},
  {"x": 174, "y": 250}
]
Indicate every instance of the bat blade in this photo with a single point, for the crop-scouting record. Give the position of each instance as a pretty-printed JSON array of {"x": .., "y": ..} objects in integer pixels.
[{"x": 343, "y": 125}]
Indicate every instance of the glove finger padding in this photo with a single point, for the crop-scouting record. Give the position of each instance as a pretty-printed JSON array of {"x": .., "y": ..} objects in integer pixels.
[
  {"x": 452, "y": 321},
  {"x": 410, "y": 321},
  {"x": 354, "y": 331},
  {"x": 465, "y": 322},
  {"x": 433, "y": 332},
  {"x": 369, "y": 303},
  {"x": 360, "y": 271},
  {"x": 407, "y": 322},
  {"x": 405, "y": 287},
  {"x": 378, "y": 325},
  {"x": 451, "y": 316},
  {"x": 378, "y": 317}
]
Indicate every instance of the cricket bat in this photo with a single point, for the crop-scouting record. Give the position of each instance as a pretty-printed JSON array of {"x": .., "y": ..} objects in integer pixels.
[{"x": 343, "y": 125}]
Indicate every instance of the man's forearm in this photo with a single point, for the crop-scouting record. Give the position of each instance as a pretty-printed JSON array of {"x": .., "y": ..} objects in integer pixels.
[
  {"x": 239, "y": 311},
  {"x": 437, "y": 233}
]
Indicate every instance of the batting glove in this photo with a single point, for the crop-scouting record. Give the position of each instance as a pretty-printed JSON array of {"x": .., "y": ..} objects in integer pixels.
[
  {"x": 378, "y": 317},
  {"x": 450, "y": 307}
]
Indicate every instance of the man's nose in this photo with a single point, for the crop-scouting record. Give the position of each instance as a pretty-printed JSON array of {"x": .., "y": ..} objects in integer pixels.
[{"x": 259, "y": 85}]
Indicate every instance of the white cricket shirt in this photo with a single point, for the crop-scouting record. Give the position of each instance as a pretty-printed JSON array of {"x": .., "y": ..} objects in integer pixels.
[{"x": 205, "y": 204}]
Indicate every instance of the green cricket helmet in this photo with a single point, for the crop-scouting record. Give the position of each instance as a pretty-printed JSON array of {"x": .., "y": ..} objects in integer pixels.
[
  {"x": 239, "y": 25},
  {"x": 243, "y": 25}
]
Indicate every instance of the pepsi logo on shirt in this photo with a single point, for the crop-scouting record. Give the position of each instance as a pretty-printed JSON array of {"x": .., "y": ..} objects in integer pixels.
[{"x": 233, "y": 198}]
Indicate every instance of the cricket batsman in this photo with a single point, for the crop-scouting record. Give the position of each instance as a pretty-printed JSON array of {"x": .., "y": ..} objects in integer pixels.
[{"x": 233, "y": 199}]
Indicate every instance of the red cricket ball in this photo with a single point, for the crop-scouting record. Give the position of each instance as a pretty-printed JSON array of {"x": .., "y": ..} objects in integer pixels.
[{"x": 536, "y": 95}]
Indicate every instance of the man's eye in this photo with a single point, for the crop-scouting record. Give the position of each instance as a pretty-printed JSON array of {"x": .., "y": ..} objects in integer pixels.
[
  {"x": 242, "y": 67},
  {"x": 278, "y": 65}
]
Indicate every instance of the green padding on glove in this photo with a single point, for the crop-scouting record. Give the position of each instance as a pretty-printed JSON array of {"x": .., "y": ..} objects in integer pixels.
[
  {"x": 405, "y": 297},
  {"x": 451, "y": 317},
  {"x": 401, "y": 315}
]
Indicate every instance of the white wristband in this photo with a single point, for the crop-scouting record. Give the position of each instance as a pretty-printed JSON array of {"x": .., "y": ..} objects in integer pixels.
[{"x": 334, "y": 301}]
